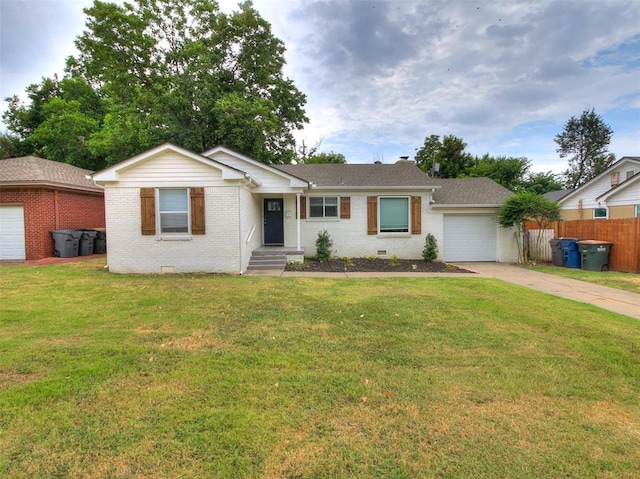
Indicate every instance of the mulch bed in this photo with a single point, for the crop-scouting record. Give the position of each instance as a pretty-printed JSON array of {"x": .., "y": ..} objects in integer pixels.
[{"x": 374, "y": 265}]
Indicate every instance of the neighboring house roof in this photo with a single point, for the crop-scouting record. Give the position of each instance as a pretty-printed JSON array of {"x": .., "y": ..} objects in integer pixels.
[
  {"x": 611, "y": 168},
  {"x": 34, "y": 171},
  {"x": 360, "y": 175},
  {"x": 469, "y": 192},
  {"x": 556, "y": 195},
  {"x": 621, "y": 187}
]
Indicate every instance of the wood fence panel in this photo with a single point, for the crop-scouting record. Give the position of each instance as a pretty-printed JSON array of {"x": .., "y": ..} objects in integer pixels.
[
  {"x": 623, "y": 233},
  {"x": 539, "y": 247}
]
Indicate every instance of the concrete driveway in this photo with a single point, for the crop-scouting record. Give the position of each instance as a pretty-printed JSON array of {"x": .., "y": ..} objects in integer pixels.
[{"x": 616, "y": 300}]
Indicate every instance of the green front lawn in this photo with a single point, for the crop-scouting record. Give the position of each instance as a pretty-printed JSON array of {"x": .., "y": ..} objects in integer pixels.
[
  {"x": 613, "y": 279},
  {"x": 211, "y": 376}
]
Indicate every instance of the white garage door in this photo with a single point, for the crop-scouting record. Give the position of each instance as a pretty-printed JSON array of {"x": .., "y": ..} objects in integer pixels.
[
  {"x": 12, "y": 232},
  {"x": 469, "y": 238}
]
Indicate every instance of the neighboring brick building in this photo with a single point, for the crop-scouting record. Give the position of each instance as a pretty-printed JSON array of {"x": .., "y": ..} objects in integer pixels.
[{"x": 37, "y": 196}]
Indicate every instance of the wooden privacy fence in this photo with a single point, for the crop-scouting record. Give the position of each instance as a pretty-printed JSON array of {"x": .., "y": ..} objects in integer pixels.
[{"x": 623, "y": 233}]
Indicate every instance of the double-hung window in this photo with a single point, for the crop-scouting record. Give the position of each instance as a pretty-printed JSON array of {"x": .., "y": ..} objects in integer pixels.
[
  {"x": 637, "y": 211},
  {"x": 323, "y": 207},
  {"x": 394, "y": 214},
  {"x": 173, "y": 210}
]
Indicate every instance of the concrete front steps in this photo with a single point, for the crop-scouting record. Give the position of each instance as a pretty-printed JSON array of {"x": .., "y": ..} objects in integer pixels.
[{"x": 270, "y": 258}]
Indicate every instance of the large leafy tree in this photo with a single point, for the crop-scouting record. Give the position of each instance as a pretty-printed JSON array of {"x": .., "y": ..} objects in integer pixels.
[
  {"x": 507, "y": 171},
  {"x": 584, "y": 141},
  {"x": 165, "y": 70},
  {"x": 445, "y": 158},
  {"x": 541, "y": 183},
  {"x": 56, "y": 122},
  {"x": 182, "y": 71}
]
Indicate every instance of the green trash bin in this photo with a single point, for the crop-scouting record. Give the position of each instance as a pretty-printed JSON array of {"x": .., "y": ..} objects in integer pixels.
[{"x": 595, "y": 254}]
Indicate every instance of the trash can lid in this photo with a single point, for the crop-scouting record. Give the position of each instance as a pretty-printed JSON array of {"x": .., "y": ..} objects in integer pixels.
[{"x": 593, "y": 242}]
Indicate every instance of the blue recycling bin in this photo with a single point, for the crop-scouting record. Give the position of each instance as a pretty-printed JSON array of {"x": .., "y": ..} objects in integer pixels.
[{"x": 570, "y": 252}]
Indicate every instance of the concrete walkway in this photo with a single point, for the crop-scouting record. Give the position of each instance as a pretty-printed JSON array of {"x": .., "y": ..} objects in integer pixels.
[{"x": 611, "y": 299}]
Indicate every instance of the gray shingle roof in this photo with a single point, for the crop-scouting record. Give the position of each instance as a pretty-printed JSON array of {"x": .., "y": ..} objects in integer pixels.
[
  {"x": 452, "y": 191},
  {"x": 31, "y": 170},
  {"x": 556, "y": 195},
  {"x": 329, "y": 174},
  {"x": 469, "y": 191}
]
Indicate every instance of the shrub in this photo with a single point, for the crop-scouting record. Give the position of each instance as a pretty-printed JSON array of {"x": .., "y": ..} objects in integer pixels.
[
  {"x": 430, "y": 251},
  {"x": 324, "y": 243},
  {"x": 395, "y": 261}
]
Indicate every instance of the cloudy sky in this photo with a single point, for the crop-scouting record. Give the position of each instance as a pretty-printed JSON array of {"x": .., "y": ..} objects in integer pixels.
[{"x": 380, "y": 76}]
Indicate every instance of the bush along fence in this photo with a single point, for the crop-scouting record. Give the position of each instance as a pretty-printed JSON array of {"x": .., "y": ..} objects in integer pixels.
[{"x": 624, "y": 234}]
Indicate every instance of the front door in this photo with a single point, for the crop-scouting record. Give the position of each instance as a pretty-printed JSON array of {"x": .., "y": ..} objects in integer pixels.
[{"x": 273, "y": 221}]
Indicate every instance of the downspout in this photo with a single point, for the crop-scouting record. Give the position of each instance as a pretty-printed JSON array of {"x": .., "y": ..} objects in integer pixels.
[
  {"x": 298, "y": 220},
  {"x": 56, "y": 209},
  {"x": 240, "y": 242}
]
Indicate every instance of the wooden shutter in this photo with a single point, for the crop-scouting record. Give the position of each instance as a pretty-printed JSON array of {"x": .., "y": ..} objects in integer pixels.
[
  {"x": 197, "y": 211},
  {"x": 345, "y": 207},
  {"x": 416, "y": 215},
  {"x": 303, "y": 208},
  {"x": 372, "y": 215},
  {"x": 148, "y": 211}
]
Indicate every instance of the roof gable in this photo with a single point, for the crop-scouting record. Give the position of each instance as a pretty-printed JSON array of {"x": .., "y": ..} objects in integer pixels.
[
  {"x": 111, "y": 173},
  {"x": 619, "y": 165},
  {"x": 262, "y": 171},
  {"x": 625, "y": 185},
  {"x": 32, "y": 170}
]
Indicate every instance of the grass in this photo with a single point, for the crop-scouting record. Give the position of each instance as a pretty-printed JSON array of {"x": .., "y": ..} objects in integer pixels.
[
  {"x": 209, "y": 376},
  {"x": 613, "y": 279}
]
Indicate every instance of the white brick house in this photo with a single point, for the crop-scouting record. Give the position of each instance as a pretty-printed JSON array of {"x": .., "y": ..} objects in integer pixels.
[{"x": 172, "y": 210}]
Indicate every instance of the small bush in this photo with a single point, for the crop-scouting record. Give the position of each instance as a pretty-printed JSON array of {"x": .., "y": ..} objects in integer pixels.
[
  {"x": 324, "y": 243},
  {"x": 430, "y": 251},
  {"x": 395, "y": 261}
]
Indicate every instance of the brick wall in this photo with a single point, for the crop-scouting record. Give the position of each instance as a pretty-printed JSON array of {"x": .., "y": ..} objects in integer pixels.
[
  {"x": 216, "y": 251},
  {"x": 75, "y": 211}
]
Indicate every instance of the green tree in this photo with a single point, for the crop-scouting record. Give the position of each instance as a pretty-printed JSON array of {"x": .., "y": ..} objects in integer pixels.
[
  {"x": 58, "y": 121},
  {"x": 180, "y": 70},
  {"x": 330, "y": 157},
  {"x": 541, "y": 183},
  {"x": 585, "y": 141},
  {"x": 522, "y": 207},
  {"x": 11, "y": 146},
  {"x": 449, "y": 156},
  {"x": 507, "y": 171}
]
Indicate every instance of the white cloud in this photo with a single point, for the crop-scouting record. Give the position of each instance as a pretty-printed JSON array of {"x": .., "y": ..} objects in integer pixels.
[{"x": 382, "y": 75}]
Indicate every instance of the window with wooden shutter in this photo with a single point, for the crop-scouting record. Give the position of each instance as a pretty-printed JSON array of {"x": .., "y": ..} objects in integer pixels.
[
  {"x": 303, "y": 208},
  {"x": 372, "y": 215},
  {"x": 148, "y": 210},
  {"x": 345, "y": 207},
  {"x": 416, "y": 215},
  {"x": 197, "y": 211}
]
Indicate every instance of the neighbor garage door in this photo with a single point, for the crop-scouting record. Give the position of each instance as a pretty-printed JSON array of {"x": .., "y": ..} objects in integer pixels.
[
  {"x": 12, "y": 232},
  {"x": 469, "y": 238}
]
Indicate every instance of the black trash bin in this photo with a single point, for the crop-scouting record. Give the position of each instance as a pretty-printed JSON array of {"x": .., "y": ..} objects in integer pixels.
[
  {"x": 570, "y": 253},
  {"x": 86, "y": 242},
  {"x": 100, "y": 242},
  {"x": 66, "y": 243},
  {"x": 595, "y": 254},
  {"x": 557, "y": 257}
]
